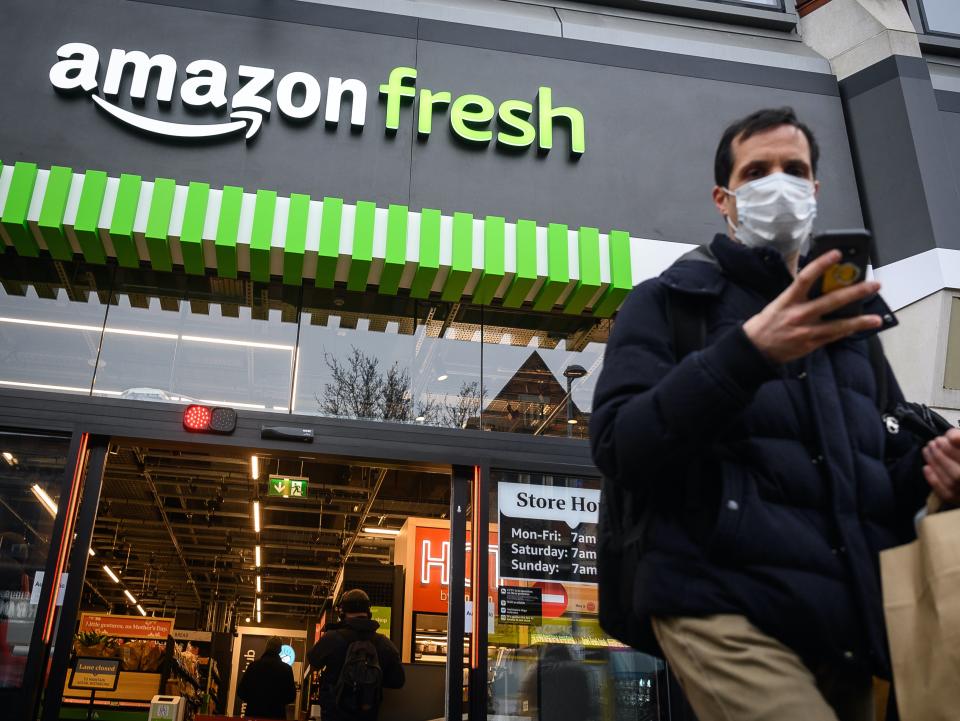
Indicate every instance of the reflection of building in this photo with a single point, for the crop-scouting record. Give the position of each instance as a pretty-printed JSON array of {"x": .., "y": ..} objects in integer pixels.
[{"x": 532, "y": 401}]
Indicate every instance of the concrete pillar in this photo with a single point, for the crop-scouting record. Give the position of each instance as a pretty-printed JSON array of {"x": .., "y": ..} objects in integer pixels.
[{"x": 908, "y": 189}]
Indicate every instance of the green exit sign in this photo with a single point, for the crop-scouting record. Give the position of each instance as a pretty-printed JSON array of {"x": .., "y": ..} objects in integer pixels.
[{"x": 288, "y": 486}]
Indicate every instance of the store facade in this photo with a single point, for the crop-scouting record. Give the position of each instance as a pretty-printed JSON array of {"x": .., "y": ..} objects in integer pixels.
[{"x": 405, "y": 232}]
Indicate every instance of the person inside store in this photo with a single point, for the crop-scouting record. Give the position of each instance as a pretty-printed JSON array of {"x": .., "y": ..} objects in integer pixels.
[
  {"x": 770, "y": 477},
  {"x": 355, "y": 662},
  {"x": 558, "y": 687},
  {"x": 267, "y": 686}
]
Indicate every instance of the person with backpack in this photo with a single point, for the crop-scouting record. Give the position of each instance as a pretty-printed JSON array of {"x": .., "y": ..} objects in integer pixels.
[
  {"x": 355, "y": 662},
  {"x": 267, "y": 686},
  {"x": 753, "y": 468}
]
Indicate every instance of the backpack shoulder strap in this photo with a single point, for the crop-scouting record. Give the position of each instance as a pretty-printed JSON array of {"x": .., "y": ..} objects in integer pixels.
[
  {"x": 879, "y": 364},
  {"x": 688, "y": 323}
]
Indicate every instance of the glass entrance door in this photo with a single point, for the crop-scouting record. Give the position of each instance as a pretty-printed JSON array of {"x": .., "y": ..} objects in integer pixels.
[{"x": 548, "y": 659}]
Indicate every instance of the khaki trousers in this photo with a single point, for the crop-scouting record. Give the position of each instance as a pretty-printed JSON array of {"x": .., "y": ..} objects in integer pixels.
[{"x": 732, "y": 671}]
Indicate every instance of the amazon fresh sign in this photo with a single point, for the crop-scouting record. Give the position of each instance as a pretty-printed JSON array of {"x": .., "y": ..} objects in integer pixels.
[
  {"x": 288, "y": 486},
  {"x": 244, "y": 100}
]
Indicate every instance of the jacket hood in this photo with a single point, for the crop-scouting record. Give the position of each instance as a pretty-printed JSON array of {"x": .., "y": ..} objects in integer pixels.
[
  {"x": 363, "y": 625},
  {"x": 707, "y": 269}
]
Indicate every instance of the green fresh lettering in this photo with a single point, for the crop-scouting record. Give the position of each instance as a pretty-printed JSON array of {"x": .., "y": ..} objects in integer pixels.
[
  {"x": 395, "y": 91},
  {"x": 471, "y": 115},
  {"x": 547, "y": 114},
  {"x": 513, "y": 114},
  {"x": 463, "y": 118},
  {"x": 428, "y": 99}
]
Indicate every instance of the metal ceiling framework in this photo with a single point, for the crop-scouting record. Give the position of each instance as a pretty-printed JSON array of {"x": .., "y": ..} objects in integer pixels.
[{"x": 176, "y": 525}]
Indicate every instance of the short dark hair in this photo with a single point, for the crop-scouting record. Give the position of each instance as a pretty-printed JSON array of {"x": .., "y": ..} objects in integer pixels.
[
  {"x": 755, "y": 123},
  {"x": 274, "y": 644},
  {"x": 355, "y": 601}
]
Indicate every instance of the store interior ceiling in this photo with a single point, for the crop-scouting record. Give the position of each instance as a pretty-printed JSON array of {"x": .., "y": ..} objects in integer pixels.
[{"x": 175, "y": 524}]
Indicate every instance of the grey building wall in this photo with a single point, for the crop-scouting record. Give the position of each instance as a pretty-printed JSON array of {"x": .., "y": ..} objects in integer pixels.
[{"x": 655, "y": 94}]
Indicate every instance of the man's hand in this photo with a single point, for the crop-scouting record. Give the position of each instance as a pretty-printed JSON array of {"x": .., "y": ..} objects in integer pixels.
[
  {"x": 792, "y": 325},
  {"x": 942, "y": 470}
]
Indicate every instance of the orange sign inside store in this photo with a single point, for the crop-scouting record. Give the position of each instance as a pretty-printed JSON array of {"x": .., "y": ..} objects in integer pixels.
[
  {"x": 431, "y": 585},
  {"x": 126, "y": 626}
]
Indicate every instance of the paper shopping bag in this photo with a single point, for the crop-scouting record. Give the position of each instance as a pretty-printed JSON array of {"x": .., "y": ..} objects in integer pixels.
[{"x": 921, "y": 599}]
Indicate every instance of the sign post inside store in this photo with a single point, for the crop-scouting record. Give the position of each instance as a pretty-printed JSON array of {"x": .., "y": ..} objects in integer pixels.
[{"x": 95, "y": 674}]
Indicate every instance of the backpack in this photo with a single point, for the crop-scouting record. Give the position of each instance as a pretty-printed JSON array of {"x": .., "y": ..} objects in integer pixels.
[
  {"x": 625, "y": 514},
  {"x": 359, "y": 688}
]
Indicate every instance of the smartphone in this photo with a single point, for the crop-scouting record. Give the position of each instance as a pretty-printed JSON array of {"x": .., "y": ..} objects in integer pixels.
[{"x": 850, "y": 269}]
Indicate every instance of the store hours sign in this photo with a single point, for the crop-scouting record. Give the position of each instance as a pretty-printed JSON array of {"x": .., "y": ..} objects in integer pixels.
[{"x": 548, "y": 533}]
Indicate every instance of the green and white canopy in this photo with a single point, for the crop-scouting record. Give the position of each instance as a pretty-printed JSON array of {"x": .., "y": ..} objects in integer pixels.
[{"x": 226, "y": 231}]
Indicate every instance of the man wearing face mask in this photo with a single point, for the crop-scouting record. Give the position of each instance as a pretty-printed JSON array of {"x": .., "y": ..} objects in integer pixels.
[{"x": 768, "y": 481}]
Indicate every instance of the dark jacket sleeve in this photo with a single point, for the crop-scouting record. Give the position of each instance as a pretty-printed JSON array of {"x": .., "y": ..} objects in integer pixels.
[
  {"x": 905, "y": 466},
  {"x": 243, "y": 688},
  {"x": 649, "y": 410},
  {"x": 393, "y": 675},
  {"x": 320, "y": 653},
  {"x": 288, "y": 691}
]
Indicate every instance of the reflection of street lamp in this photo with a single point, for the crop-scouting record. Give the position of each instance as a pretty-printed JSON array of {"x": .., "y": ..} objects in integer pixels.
[{"x": 571, "y": 372}]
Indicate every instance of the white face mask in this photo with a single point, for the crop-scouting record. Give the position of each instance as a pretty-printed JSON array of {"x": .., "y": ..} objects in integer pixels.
[{"x": 776, "y": 211}]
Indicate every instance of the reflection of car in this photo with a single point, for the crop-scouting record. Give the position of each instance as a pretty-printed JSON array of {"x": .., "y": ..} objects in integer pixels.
[
  {"x": 571, "y": 681},
  {"x": 154, "y": 394}
]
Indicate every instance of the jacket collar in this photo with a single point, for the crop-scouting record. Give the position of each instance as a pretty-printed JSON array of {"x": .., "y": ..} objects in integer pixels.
[{"x": 706, "y": 269}]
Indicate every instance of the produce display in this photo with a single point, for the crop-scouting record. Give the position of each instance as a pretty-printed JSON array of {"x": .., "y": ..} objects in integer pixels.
[
  {"x": 95, "y": 645},
  {"x": 135, "y": 654},
  {"x": 184, "y": 681}
]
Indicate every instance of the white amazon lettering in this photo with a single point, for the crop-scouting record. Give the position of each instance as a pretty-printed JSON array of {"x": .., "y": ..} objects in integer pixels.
[
  {"x": 298, "y": 93},
  {"x": 257, "y": 80}
]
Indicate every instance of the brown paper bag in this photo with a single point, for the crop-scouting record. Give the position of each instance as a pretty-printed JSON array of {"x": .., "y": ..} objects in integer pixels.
[{"x": 921, "y": 599}]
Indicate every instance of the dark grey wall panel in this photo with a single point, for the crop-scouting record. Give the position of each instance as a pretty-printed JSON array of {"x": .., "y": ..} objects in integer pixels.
[
  {"x": 648, "y": 167},
  {"x": 950, "y": 118},
  {"x": 39, "y": 125},
  {"x": 909, "y": 192},
  {"x": 652, "y": 120}
]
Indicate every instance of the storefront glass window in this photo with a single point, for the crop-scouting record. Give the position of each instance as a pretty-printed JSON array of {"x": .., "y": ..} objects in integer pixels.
[
  {"x": 548, "y": 657},
  {"x": 530, "y": 362},
  {"x": 169, "y": 337},
  {"x": 31, "y": 471},
  {"x": 228, "y": 342},
  {"x": 941, "y": 16},
  {"x": 51, "y": 318},
  {"x": 388, "y": 359}
]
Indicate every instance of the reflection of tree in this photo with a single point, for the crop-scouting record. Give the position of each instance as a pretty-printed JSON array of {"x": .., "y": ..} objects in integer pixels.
[
  {"x": 361, "y": 389},
  {"x": 465, "y": 407},
  {"x": 356, "y": 389}
]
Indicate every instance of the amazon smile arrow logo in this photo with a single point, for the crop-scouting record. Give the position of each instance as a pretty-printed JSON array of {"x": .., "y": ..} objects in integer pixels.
[{"x": 240, "y": 119}]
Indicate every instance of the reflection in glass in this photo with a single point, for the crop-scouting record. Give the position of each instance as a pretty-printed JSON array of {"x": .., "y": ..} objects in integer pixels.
[
  {"x": 941, "y": 16},
  {"x": 540, "y": 371},
  {"x": 31, "y": 471},
  {"x": 387, "y": 359},
  {"x": 51, "y": 318},
  {"x": 229, "y": 342},
  {"x": 142, "y": 335},
  {"x": 560, "y": 665}
]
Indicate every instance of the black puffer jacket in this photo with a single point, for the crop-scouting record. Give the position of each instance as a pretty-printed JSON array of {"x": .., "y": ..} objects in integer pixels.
[
  {"x": 774, "y": 486},
  {"x": 267, "y": 686}
]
